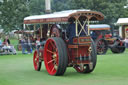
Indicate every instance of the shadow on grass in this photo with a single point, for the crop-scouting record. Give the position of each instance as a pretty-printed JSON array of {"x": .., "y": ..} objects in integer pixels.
[{"x": 70, "y": 73}]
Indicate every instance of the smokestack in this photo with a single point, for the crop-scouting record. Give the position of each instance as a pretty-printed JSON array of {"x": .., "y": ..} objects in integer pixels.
[{"x": 47, "y": 6}]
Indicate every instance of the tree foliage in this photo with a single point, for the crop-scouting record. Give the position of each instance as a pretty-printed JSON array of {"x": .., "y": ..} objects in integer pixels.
[
  {"x": 12, "y": 12},
  {"x": 36, "y": 7},
  {"x": 112, "y": 9}
]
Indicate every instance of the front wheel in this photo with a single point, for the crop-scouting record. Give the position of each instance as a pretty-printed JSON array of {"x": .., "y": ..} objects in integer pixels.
[
  {"x": 36, "y": 61},
  {"x": 55, "y": 56},
  {"x": 88, "y": 68}
]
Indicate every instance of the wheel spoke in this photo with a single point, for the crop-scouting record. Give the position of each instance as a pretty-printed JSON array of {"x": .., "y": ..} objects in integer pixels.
[
  {"x": 51, "y": 61},
  {"x": 52, "y": 69},
  {"x": 37, "y": 55},
  {"x": 50, "y": 51},
  {"x": 53, "y": 45},
  {"x": 36, "y": 60}
]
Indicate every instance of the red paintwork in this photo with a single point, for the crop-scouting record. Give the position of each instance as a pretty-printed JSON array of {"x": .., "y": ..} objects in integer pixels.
[
  {"x": 75, "y": 40},
  {"x": 108, "y": 35},
  {"x": 35, "y": 60},
  {"x": 99, "y": 37},
  {"x": 50, "y": 49},
  {"x": 127, "y": 30},
  {"x": 76, "y": 53},
  {"x": 82, "y": 40},
  {"x": 63, "y": 19}
]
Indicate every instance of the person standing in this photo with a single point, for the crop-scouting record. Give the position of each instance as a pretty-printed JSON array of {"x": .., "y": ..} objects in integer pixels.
[
  {"x": 23, "y": 45},
  {"x": 29, "y": 46}
]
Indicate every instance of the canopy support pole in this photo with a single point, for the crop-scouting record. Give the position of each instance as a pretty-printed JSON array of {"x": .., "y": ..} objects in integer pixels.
[
  {"x": 34, "y": 31},
  {"x": 41, "y": 30},
  {"x": 76, "y": 22},
  {"x": 88, "y": 27}
]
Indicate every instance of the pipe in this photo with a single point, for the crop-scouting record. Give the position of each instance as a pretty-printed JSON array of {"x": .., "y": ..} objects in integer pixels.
[{"x": 47, "y": 6}]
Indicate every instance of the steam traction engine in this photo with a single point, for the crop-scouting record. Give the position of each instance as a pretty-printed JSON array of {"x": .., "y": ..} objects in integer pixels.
[
  {"x": 59, "y": 52},
  {"x": 103, "y": 38}
]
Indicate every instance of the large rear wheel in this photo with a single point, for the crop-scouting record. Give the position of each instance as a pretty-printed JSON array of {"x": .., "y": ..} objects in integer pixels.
[
  {"x": 88, "y": 68},
  {"x": 55, "y": 56},
  {"x": 101, "y": 46}
]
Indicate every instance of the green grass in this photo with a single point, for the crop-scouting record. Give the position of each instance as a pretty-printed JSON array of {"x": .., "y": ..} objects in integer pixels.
[{"x": 111, "y": 69}]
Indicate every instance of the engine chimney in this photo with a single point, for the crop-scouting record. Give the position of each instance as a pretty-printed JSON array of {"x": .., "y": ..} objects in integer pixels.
[{"x": 47, "y": 6}]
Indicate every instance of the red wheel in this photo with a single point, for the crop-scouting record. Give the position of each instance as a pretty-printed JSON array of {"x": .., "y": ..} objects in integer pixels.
[
  {"x": 88, "y": 68},
  {"x": 36, "y": 61},
  {"x": 101, "y": 46},
  {"x": 55, "y": 56}
]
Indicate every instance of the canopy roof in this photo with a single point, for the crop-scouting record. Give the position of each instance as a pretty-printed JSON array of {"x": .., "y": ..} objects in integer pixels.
[
  {"x": 63, "y": 16},
  {"x": 22, "y": 31},
  {"x": 122, "y": 21},
  {"x": 99, "y": 27}
]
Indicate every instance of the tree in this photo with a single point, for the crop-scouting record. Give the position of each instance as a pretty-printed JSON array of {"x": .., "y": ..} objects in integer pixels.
[
  {"x": 112, "y": 9},
  {"x": 60, "y": 5},
  {"x": 37, "y": 7},
  {"x": 12, "y": 14}
]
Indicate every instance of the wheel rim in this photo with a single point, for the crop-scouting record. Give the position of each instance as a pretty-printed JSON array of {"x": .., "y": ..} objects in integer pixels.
[
  {"x": 51, "y": 57},
  {"x": 36, "y": 60},
  {"x": 101, "y": 47}
]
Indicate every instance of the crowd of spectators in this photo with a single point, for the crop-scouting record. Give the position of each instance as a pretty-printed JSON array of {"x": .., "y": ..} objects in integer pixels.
[
  {"x": 26, "y": 44},
  {"x": 30, "y": 43},
  {"x": 6, "y": 47}
]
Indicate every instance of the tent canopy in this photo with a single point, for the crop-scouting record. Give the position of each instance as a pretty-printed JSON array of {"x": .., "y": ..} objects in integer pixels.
[{"x": 122, "y": 21}]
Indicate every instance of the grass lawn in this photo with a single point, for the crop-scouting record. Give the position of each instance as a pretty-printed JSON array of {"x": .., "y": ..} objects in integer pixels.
[{"x": 111, "y": 69}]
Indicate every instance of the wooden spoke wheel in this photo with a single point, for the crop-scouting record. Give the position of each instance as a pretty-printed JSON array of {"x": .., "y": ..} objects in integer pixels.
[
  {"x": 55, "y": 56},
  {"x": 36, "y": 61},
  {"x": 88, "y": 68},
  {"x": 101, "y": 46},
  {"x": 120, "y": 48}
]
